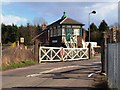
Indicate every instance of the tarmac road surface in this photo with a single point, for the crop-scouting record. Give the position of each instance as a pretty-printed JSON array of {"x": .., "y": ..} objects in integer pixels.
[{"x": 73, "y": 75}]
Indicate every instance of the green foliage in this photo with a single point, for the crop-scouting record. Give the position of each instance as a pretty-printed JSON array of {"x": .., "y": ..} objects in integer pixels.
[
  {"x": 93, "y": 27},
  {"x": 9, "y": 33},
  {"x": 96, "y": 33},
  {"x": 39, "y": 29},
  {"x": 19, "y": 64},
  {"x": 12, "y": 33},
  {"x": 103, "y": 26}
]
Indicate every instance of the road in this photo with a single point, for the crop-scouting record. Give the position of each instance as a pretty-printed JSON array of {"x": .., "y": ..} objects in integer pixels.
[{"x": 53, "y": 76}]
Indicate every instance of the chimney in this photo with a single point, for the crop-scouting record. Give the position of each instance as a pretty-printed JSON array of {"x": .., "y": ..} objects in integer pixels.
[
  {"x": 44, "y": 26},
  {"x": 64, "y": 15}
]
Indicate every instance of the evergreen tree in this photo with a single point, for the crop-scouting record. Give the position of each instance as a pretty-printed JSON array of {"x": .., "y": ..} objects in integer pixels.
[
  {"x": 4, "y": 34},
  {"x": 93, "y": 27},
  {"x": 39, "y": 29},
  {"x": 9, "y": 33},
  {"x": 95, "y": 34},
  {"x": 14, "y": 33},
  {"x": 103, "y": 26}
]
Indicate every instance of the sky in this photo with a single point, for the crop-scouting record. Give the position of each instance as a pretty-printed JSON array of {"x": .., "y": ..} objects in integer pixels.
[{"x": 21, "y": 12}]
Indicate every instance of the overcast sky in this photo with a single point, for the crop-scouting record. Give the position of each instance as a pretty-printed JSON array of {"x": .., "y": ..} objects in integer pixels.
[{"x": 24, "y": 12}]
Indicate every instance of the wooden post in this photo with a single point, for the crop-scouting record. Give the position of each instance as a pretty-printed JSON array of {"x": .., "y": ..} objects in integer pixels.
[
  {"x": 89, "y": 50},
  {"x": 102, "y": 56},
  {"x": 103, "y": 50},
  {"x": 36, "y": 51}
]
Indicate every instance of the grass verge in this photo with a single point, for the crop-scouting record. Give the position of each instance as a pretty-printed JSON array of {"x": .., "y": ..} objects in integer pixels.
[{"x": 18, "y": 65}]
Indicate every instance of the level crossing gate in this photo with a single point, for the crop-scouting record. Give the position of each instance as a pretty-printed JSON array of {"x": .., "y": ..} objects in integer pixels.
[{"x": 62, "y": 54}]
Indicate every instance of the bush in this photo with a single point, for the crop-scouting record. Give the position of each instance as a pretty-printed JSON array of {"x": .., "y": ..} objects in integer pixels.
[
  {"x": 12, "y": 55},
  {"x": 18, "y": 64}
]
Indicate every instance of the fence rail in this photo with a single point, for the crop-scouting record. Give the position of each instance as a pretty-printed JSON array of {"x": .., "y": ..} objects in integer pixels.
[{"x": 62, "y": 54}]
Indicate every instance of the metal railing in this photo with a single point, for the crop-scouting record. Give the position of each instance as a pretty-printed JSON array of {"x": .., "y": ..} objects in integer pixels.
[{"x": 62, "y": 54}]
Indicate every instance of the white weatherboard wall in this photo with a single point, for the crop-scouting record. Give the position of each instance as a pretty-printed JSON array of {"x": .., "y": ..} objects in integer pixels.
[{"x": 76, "y": 32}]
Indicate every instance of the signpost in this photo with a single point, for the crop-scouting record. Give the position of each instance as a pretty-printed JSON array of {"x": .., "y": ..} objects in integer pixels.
[
  {"x": 21, "y": 42},
  {"x": 114, "y": 35}
]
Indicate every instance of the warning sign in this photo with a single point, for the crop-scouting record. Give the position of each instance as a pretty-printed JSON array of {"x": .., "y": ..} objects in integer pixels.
[{"x": 62, "y": 52}]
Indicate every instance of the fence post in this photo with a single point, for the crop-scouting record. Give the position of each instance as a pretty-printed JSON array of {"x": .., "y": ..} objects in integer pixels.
[
  {"x": 89, "y": 50},
  {"x": 103, "y": 50},
  {"x": 40, "y": 55},
  {"x": 62, "y": 53},
  {"x": 36, "y": 51},
  {"x": 51, "y": 50},
  {"x": 106, "y": 60},
  {"x": 102, "y": 56}
]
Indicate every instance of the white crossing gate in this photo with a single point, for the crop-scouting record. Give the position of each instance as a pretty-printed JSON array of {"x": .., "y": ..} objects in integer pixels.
[{"x": 62, "y": 54}]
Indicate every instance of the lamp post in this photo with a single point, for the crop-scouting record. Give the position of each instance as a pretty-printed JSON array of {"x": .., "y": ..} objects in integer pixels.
[{"x": 93, "y": 12}]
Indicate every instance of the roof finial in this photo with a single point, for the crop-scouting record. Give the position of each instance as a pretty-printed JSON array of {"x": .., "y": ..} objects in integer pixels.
[{"x": 64, "y": 15}]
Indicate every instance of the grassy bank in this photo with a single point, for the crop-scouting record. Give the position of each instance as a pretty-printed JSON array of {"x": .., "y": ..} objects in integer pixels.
[{"x": 18, "y": 65}]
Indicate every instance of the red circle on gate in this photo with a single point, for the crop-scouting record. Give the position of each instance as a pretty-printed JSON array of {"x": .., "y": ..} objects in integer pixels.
[{"x": 62, "y": 52}]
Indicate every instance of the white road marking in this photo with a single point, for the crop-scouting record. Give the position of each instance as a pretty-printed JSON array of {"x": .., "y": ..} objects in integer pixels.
[
  {"x": 48, "y": 71},
  {"x": 90, "y": 75},
  {"x": 96, "y": 62}
]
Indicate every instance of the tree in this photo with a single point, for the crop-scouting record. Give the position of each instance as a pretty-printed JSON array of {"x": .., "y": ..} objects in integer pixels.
[
  {"x": 15, "y": 33},
  {"x": 25, "y": 33},
  {"x": 93, "y": 27},
  {"x": 96, "y": 37},
  {"x": 103, "y": 26},
  {"x": 12, "y": 33},
  {"x": 39, "y": 29},
  {"x": 4, "y": 34},
  {"x": 29, "y": 32},
  {"x": 94, "y": 33},
  {"x": 39, "y": 21},
  {"x": 9, "y": 33}
]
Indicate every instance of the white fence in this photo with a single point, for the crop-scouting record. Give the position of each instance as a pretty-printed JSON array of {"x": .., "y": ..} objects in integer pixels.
[{"x": 62, "y": 54}]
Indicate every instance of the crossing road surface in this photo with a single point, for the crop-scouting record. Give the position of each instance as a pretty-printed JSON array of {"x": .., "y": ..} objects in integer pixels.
[{"x": 53, "y": 76}]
